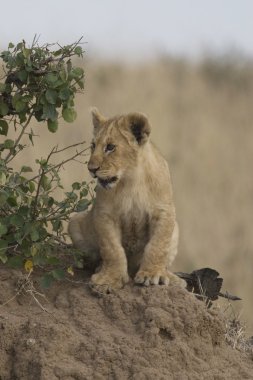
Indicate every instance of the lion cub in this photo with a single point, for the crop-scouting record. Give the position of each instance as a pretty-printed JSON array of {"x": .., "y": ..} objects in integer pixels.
[{"x": 131, "y": 225}]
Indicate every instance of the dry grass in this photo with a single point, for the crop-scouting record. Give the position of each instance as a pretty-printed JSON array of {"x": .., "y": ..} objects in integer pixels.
[
  {"x": 236, "y": 332},
  {"x": 202, "y": 121},
  {"x": 25, "y": 286}
]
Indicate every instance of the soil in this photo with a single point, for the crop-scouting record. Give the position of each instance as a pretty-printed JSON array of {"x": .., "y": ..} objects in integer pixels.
[{"x": 135, "y": 333}]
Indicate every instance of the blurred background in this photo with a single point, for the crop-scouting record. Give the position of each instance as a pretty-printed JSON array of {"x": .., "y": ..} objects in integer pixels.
[{"x": 189, "y": 67}]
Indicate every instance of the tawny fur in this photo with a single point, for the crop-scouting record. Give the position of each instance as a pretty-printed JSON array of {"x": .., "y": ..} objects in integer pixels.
[{"x": 132, "y": 224}]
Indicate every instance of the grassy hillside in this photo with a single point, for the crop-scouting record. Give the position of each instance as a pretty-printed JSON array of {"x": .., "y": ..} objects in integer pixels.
[{"x": 202, "y": 118}]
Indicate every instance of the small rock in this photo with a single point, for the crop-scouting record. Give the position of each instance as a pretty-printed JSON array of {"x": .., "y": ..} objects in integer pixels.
[{"x": 30, "y": 342}]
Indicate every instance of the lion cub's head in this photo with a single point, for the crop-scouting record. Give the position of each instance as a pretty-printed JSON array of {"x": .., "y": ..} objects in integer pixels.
[{"x": 116, "y": 145}]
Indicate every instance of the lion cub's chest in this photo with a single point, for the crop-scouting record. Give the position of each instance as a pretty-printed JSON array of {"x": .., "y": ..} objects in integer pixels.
[
  {"x": 133, "y": 206},
  {"x": 134, "y": 215}
]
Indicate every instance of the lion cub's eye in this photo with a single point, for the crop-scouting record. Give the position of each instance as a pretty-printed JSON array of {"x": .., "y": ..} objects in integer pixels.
[
  {"x": 110, "y": 147},
  {"x": 92, "y": 146}
]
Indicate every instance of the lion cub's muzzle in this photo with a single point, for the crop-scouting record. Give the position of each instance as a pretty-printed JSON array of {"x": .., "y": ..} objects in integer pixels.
[
  {"x": 107, "y": 182},
  {"x": 93, "y": 169}
]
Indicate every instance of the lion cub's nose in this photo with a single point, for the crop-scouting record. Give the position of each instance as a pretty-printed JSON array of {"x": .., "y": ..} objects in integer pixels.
[{"x": 93, "y": 169}]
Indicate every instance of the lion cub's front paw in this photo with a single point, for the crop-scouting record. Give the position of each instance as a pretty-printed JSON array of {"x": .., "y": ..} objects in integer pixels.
[
  {"x": 104, "y": 281},
  {"x": 162, "y": 277}
]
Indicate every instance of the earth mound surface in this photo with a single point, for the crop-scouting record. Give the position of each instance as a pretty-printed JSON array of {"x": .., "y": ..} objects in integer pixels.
[{"x": 135, "y": 333}]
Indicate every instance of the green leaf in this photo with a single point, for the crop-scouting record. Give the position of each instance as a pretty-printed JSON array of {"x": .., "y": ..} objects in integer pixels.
[
  {"x": 22, "y": 116},
  {"x": 34, "y": 234},
  {"x": 12, "y": 201},
  {"x": 20, "y": 59},
  {"x": 2, "y": 178},
  {"x": 18, "y": 236},
  {"x": 53, "y": 261},
  {"x": 57, "y": 225},
  {"x": 15, "y": 98},
  {"x": 31, "y": 134},
  {"x": 3, "y": 247},
  {"x": 69, "y": 65},
  {"x": 17, "y": 220},
  {"x": 3, "y": 197},
  {"x": 45, "y": 183},
  {"x": 27, "y": 98},
  {"x": 33, "y": 250},
  {"x": 51, "y": 78},
  {"x": 84, "y": 193},
  {"x": 24, "y": 211},
  {"x": 71, "y": 195},
  {"x": 5, "y": 55},
  {"x": 78, "y": 51},
  {"x": 57, "y": 52},
  {"x": 16, "y": 262},
  {"x": 50, "y": 201},
  {"x": 26, "y": 169},
  {"x": 26, "y": 52},
  {"x": 8, "y": 144},
  {"x": 69, "y": 114},
  {"x": 4, "y": 109},
  {"x": 51, "y": 96},
  {"x": 46, "y": 280},
  {"x": 42, "y": 162},
  {"x": 80, "y": 83},
  {"x": 52, "y": 125},
  {"x": 3, "y": 257},
  {"x": 3, "y": 127},
  {"x": 11, "y": 46},
  {"x": 31, "y": 186},
  {"x": 57, "y": 83},
  {"x": 63, "y": 75},
  {"x": 65, "y": 93},
  {"x": 3, "y": 229},
  {"x": 76, "y": 186},
  {"x": 43, "y": 233},
  {"x": 38, "y": 115},
  {"x": 82, "y": 205},
  {"x": 58, "y": 274},
  {"x": 77, "y": 72},
  {"x": 40, "y": 258},
  {"x": 2, "y": 87},
  {"x": 22, "y": 75},
  {"x": 49, "y": 112},
  {"x": 20, "y": 105}
]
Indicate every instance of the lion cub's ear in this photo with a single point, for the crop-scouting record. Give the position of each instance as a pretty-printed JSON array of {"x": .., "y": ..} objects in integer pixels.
[
  {"x": 97, "y": 119},
  {"x": 140, "y": 127}
]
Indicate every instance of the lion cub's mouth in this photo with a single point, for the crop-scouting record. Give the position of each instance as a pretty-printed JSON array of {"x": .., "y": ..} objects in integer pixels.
[{"x": 107, "y": 182}]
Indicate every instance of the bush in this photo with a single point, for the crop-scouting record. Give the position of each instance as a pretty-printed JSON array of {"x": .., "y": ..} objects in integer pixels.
[{"x": 39, "y": 82}]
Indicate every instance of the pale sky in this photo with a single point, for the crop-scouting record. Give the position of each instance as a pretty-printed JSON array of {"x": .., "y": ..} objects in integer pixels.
[{"x": 136, "y": 28}]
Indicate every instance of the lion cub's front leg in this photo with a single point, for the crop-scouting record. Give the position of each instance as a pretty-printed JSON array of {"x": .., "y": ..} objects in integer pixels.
[
  {"x": 160, "y": 252},
  {"x": 113, "y": 271}
]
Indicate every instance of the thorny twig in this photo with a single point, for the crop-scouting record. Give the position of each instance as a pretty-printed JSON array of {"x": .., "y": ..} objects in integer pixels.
[
  {"x": 78, "y": 153},
  {"x": 25, "y": 285}
]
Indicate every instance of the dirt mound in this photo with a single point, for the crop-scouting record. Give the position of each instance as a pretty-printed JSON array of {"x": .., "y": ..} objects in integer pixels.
[{"x": 135, "y": 333}]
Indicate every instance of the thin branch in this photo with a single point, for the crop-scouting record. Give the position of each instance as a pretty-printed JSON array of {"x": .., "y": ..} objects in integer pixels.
[
  {"x": 67, "y": 147},
  {"x": 37, "y": 194},
  {"x": 60, "y": 241},
  {"x": 10, "y": 155},
  {"x": 40, "y": 182},
  {"x": 58, "y": 165},
  {"x": 54, "y": 217}
]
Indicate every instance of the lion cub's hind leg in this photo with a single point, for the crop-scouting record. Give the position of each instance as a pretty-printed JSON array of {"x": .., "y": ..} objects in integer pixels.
[{"x": 84, "y": 238}]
